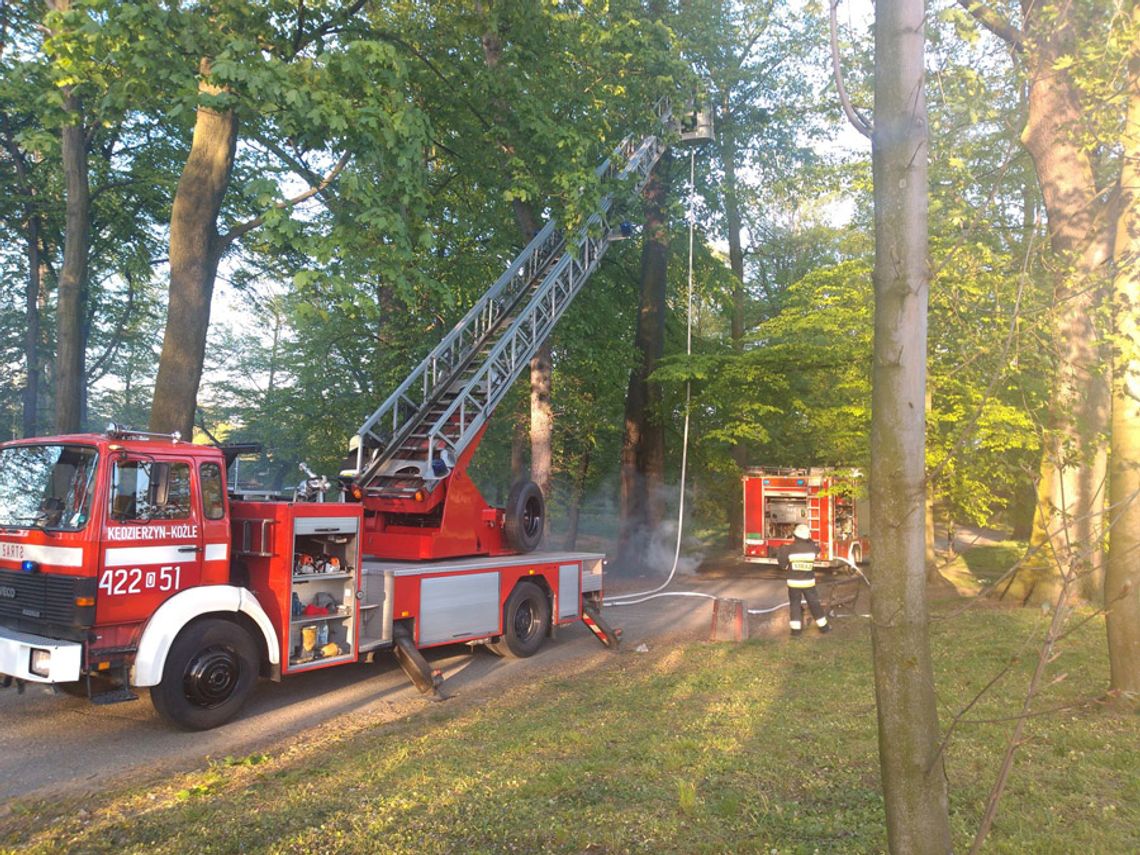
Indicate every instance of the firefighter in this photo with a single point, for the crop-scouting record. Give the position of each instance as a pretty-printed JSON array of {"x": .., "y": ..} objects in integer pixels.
[{"x": 798, "y": 560}]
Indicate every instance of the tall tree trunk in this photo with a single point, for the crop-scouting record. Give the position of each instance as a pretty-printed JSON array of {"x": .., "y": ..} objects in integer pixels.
[
  {"x": 914, "y": 783},
  {"x": 271, "y": 383},
  {"x": 1122, "y": 571},
  {"x": 195, "y": 249},
  {"x": 71, "y": 310},
  {"x": 643, "y": 446},
  {"x": 1068, "y": 524},
  {"x": 734, "y": 225},
  {"x": 32, "y": 292},
  {"x": 1071, "y": 492}
]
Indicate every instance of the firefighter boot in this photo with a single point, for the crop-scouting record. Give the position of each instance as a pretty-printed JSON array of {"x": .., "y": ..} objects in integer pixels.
[{"x": 823, "y": 625}]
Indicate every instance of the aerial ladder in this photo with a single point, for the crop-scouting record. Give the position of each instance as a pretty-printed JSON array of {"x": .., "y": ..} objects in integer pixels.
[{"x": 412, "y": 453}]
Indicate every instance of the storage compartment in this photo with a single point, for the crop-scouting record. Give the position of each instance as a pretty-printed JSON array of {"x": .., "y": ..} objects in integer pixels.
[
  {"x": 302, "y": 562},
  {"x": 323, "y": 592},
  {"x": 459, "y": 606},
  {"x": 783, "y": 514}
]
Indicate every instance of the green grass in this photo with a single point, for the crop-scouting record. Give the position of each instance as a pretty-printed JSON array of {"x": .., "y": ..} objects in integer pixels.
[{"x": 761, "y": 747}]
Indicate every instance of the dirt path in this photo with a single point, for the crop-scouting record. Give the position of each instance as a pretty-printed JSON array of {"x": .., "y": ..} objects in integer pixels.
[{"x": 56, "y": 743}]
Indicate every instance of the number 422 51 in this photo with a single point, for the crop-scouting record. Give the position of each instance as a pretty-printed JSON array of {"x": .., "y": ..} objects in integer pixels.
[{"x": 135, "y": 580}]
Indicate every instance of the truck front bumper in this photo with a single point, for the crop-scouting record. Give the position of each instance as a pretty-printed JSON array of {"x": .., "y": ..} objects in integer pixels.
[{"x": 38, "y": 659}]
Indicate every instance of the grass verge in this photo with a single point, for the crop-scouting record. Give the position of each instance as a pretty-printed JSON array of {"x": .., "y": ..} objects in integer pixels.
[{"x": 768, "y": 746}]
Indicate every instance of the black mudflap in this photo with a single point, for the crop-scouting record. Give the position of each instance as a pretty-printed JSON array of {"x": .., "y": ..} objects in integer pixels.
[{"x": 114, "y": 696}]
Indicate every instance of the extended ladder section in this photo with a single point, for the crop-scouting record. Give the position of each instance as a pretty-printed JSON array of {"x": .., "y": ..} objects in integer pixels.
[{"x": 413, "y": 440}]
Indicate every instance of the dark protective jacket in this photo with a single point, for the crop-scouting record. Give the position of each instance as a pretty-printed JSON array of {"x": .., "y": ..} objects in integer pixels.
[{"x": 798, "y": 559}]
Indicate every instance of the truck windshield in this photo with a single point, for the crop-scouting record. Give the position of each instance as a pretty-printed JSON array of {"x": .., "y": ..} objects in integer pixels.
[{"x": 46, "y": 486}]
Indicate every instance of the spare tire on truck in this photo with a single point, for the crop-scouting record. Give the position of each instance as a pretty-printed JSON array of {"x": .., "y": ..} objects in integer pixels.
[{"x": 525, "y": 517}]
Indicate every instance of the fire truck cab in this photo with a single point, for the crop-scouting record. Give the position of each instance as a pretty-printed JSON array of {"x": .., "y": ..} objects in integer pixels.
[
  {"x": 829, "y": 502},
  {"x": 125, "y": 563}
]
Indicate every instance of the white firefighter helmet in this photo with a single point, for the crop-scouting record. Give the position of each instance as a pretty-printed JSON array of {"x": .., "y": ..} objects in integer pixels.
[{"x": 802, "y": 532}]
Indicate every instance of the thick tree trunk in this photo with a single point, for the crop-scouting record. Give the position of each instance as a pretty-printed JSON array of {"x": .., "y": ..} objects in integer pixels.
[
  {"x": 914, "y": 783},
  {"x": 1068, "y": 525},
  {"x": 71, "y": 309},
  {"x": 734, "y": 223},
  {"x": 1122, "y": 571},
  {"x": 643, "y": 446},
  {"x": 195, "y": 249}
]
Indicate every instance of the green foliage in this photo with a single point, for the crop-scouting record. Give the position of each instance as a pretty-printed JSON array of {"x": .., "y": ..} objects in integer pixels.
[
  {"x": 454, "y": 119},
  {"x": 986, "y": 382},
  {"x": 90, "y": 53},
  {"x": 382, "y": 284}
]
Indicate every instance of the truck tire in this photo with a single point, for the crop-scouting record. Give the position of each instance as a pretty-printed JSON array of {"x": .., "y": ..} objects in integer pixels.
[
  {"x": 525, "y": 517},
  {"x": 526, "y": 621},
  {"x": 209, "y": 672}
]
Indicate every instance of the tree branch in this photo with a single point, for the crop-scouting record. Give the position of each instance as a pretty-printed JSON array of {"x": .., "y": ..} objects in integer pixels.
[
  {"x": 298, "y": 37},
  {"x": 857, "y": 121},
  {"x": 301, "y": 39},
  {"x": 291, "y": 159},
  {"x": 17, "y": 154},
  {"x": 395, "y": 39},
  {"x": 995, "y": 23},
  {"x": 97, "y": 371},
  {"x": 237, "y": 231}
]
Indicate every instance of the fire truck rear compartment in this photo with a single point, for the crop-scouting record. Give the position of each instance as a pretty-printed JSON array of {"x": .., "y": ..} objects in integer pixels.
[{"x": 782, "y": 514}]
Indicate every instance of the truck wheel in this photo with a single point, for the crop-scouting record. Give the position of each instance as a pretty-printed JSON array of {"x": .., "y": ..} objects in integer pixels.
[
  {"x": 526, "y": 620},
  {"x": 525, "y": 517},
  {"x": 209, "y": 673}
]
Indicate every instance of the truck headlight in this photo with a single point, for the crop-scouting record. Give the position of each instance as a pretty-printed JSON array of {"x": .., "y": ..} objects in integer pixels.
[{"x": 40, "y": 664}]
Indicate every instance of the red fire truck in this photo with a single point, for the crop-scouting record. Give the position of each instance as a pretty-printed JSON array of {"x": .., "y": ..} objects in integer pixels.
[
  {"x": 828, "y": 501},
  {"x": 125, "y": 561}
]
